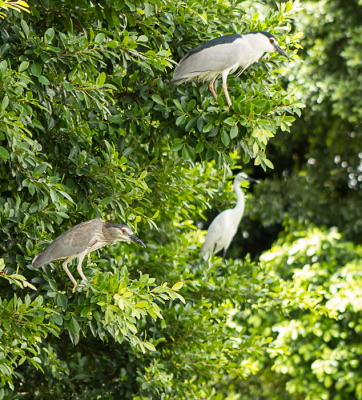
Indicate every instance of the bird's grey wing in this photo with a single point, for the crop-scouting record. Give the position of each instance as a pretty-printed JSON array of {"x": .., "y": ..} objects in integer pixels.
[
  {"x": 216, "y": 58},
  {"x": 76, "y": 239},
  {"x": 73, "y": 241}
]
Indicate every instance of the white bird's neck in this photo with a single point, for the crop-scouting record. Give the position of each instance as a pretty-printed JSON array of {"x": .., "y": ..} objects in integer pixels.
[{"x": 240, "y": 203}]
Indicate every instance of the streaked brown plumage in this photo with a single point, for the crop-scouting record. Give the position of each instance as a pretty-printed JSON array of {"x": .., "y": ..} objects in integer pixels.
[{"x": 83, "y": 239}]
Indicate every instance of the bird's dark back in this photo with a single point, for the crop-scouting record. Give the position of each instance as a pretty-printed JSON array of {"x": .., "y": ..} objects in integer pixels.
[
  {"x": 223, "y": 40},
  {"x": 213, "y": 42}
]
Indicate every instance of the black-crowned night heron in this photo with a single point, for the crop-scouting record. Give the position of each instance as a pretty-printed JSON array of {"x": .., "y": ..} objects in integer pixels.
[
  {"x": 82, "y": 239},
  {"x": 223, "y": 228},
  {"x": 223, "y": 56}
]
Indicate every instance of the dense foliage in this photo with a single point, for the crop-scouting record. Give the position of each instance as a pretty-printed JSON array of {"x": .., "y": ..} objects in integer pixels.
[
  {"x": 316, "y": 185},
  {"x": 90, "y": 126},
  {"x": 320, "y": 159}
]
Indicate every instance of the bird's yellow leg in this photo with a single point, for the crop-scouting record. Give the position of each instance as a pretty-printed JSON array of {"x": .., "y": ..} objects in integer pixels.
[
  {"x": 225, "y": 88},
  {"x": 211, "y": 87},
  {"x": 64, "y": 265},
  {"x": 80, "y": 261}
]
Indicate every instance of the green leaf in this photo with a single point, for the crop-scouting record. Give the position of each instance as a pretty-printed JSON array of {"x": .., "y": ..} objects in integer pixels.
[
  {"x": 106, "y": 201},
  {"x": 225, "y": 138},
  {"x": 191, "y": 105},
  {"x": 128, "y": 151},
  {"x": 234, "y": 132},
  {"x": 68, "y": 86},
  {"x": 177, "y": 286},
  {"x": 54, "y": 196},
  {"x": 112, "y": 44},
  {"x": 5, "y": 102},
  {"x": 35, "y": 69},
  {"x": 43, "y": 80},
  {"x": 143, "y": 175},
  {"x": 142, "y": 304},
  {"x": 299, "y": 105},
  {"x": 176, "y": 146},
  {"x": 178, "y": 105},
  {"x": 40, "y": 169},
  {"x": 99, "y": 38},
  {"x": 22, "y": 360},
  {"x": 157, "y": 99},
  {"x": 191, "y": 124},
  {"x": 4, "y": 154},
  {"x": 25, "y": 27},
  {"x": 130, "y": 5},
  {"x": 23, "y": 66},
  {"x": 62, "y": 301},
  {"x": 49, "y": 35},
  {"x": 149, "y": 346},
  {"x": 74, "y": 326},
  {"x": 33, "y": 208},
  {"x": 148, "y": 10},
  {"x": 230, "y": 121},
  {"x": 288, "y": 119},
  {"x": 199, "y": 147},
  {"x": 269, "y": 163},
  {"x": 31, "y": 186},
  {"x": 101, "y": 79},
  {"x": 180, "y": 120}
]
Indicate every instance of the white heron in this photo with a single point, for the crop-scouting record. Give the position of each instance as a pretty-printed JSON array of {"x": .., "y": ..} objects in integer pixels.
[
  {"x": 223, "y": 228},
  {"x": 224, "y": 55}
]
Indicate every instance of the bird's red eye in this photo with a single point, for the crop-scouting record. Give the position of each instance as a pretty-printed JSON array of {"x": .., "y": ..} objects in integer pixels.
[
  {"x": 123, "y": 230},
  {"x": 271, "y": 41}
]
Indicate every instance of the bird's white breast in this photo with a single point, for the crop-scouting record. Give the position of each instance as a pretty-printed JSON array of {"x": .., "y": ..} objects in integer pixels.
[{"x": 248, "y": 54}]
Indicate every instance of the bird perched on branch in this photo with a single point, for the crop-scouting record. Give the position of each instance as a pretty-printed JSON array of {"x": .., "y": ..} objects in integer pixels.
[
  {"x": 223, "y": 228},
  {"x": 223, "y": 56},
  {"x": 83, "y": 239}
]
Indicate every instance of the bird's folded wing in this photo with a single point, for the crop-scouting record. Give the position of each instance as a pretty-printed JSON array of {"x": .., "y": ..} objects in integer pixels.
[
  {"x": 212, "y": 238},
  {"x": 75, "y": 240},
  {"x": 216, "y": 58}
]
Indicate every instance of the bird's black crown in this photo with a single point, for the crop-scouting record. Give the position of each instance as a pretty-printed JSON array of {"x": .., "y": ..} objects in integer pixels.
[
  {"x": 111, "y": 225},
  {"x": 267, "y": 34}
]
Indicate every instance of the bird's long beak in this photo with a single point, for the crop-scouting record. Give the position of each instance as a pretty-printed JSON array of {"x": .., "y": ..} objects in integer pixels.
[
  {"x": 281, "y": 51},
  {"x": 136, "y": 240},
  {"x": 252, "y": 180}
]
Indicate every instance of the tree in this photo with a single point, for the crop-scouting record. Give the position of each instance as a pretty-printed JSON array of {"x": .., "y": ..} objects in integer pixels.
[
  {"x": 317, "y": 165},
  {"x": 91, "y": 127},
  {"x": 314, "y": 187},
  {"x": 322, "y": 354}
]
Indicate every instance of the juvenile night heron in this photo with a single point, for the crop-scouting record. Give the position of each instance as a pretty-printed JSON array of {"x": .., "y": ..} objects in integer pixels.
[
  {"x": 82, "y": 239},
  {"x": 223, "y": 56},
  {"x": 223, "y": 228}
]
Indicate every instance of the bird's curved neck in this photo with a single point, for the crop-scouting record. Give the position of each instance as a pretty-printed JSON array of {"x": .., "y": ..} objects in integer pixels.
[{"x": 240, "y": 203}]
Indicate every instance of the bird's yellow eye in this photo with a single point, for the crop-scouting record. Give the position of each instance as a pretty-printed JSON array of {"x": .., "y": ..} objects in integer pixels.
[{"x": 123, "y": 230}]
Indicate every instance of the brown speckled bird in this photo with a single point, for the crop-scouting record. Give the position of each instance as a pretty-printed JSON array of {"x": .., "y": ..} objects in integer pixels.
[{"x": 82, "y": 239}]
